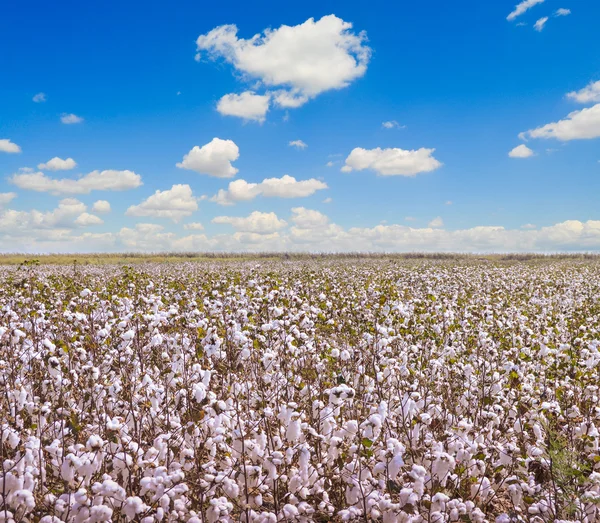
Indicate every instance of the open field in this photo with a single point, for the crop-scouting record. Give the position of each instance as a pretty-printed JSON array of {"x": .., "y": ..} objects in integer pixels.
[
  {"x": 393, "y": 389},
  {"x": 134, "y": 258}
]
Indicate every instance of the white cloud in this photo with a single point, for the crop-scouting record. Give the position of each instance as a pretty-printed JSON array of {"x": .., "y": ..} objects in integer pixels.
[
  {"x": 308, "y": 218},
  {"x": 298, "y": 144},
  {"x": 6, "y": 146},
  {"x": 521, "y": 151},
  {"x": 284, "y": 187},
  {"x": 39, "y": 98},
  {"x": 590, "y": 93},
  {"x": 562, "y": 12},
  {"x": 392, "y": 162},
  {"x": 41, "y": 224},
  {"x": 101, "y": 206},
  {"x": 392, "y": 124},
  {"x": 248, "y": 105},
  {"x": 578, "y": 125},
  {"x": 257, "y": 222},
  {"x": 193, "y": 226},
  {"x": 540, "y": 23},
  {"x": 303, "y": 60},
  {"x": 436, "y": 222},
  {"x": 58, "y": 164},
  {"x": 109, "y": 180},
  {"x": 85, "y": 219},
  {"x": 327, "y": 200},
  {"x": 6, "y": 198},
  {"x": 522, "y": 7},
  {"x": 174, "y": 203},
  {"x": 213, "y": 159},
  {"x": 330, "y": 164},
  {"x": 528, "y": 226},
  {"x": 71, "y": 118}
]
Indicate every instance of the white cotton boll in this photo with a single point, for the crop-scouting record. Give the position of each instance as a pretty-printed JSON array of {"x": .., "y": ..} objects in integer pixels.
[
  {"x": 94, "y": 442},
  {"x": 45, "y": 519},
  {"x": 85, "y": 293},
  {"x": 293, "y": 431},
  {"x": 128, "y": 335},
  {"x": 395, "y": 466},
  {"x": 100, "y": 513},
  {"x": 133, "y": 505},
  {"x": 199, "y": 392},
  {"x": 290, "y": 511},
  {"x": 24, "y": 500},
  {"x": 345, "y": 355}
]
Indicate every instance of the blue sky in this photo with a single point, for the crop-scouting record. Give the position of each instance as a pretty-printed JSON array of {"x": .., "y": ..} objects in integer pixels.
[{"x": 460, "y": 84}]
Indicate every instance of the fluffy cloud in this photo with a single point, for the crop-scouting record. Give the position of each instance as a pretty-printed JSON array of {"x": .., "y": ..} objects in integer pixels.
[
  {"x": 85, "y": 219},
  {"x": 520, "y": 8},
  {"x": 69, "y": 214},
  {"x": 109, "y": 180},
  {"x": 303, "y": 60},
  {"x": 101, "y": 206},
  {"x": 392, "y": 162},
  {"x": 6, "y": 198},
  {"x": 6, "y": 146},
  {"x": 308, "y": 218},
  {"x": 298, "y": 144},
  {"x": 284, "y": 187},
  {"x": 71, "y": 118},
  {"x": 257, "y": 222},
  {"x": 58, "y": 164},
  {"x": 540, "y": 23},
  {"x": 248, "y": 105},
  {"x": 562, "y": 12},
  {"x": 578, "y": 125},
  {"x": 193, "y": 226},
  {"x": 213, "y": 159},
  {"x": 521, "y": 151},
  {"x": 39, "y": 98},
  {"x": 392, "y": 124},
  {"x": 590, "y": 93},
  {"x": 174, "y": 203},
  {"x": 436, "y": 222}
]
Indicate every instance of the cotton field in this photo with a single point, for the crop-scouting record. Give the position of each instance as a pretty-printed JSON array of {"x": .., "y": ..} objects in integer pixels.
[{"x": 300, "y": 391}]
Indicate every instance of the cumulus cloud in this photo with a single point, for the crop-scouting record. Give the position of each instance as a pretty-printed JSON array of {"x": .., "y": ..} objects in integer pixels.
[
  {"x": 521, "y": 151},
  {"x": 302, "y": 60},
  {"x": 308, "y": 218},
  {"x": 578, "y": 125},
  {"x": 436, "y": 222},
  {"x": 58, "y": 164},
  {"x": 392, "y": 162},
  {"x": 392, "y": 124},
  {"x": 257, "y": 222},
  {"x": 101, "y": 206},
  {"x": 540, "y": 23},
  {"x": 6, "y": 198},
  {"x": 193, "y": 226},
  {"x": 247, "y": 105},
  {"x": 590, "y": 93},
  {"x": 174, "y": 203},
  {"x": 213, "y": 159},
  {"x": 85, "y": 219},
  {"x": 71, "y": 118},
  {"x": 298, "y": 144},
  {"x": 522, "y": 7},
  {"x": 109, "y": 180},
  {"x": 39, "y": 98},
  {"x": 69, "y": 214},
  {"x": 284, "y": 187},
  {"x": 562, "y": 12},
  {"x": 6, "y": 146}
]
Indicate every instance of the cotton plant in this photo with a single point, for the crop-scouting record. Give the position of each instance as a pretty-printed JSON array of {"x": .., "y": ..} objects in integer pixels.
[{"x": 307, "y": 391}]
